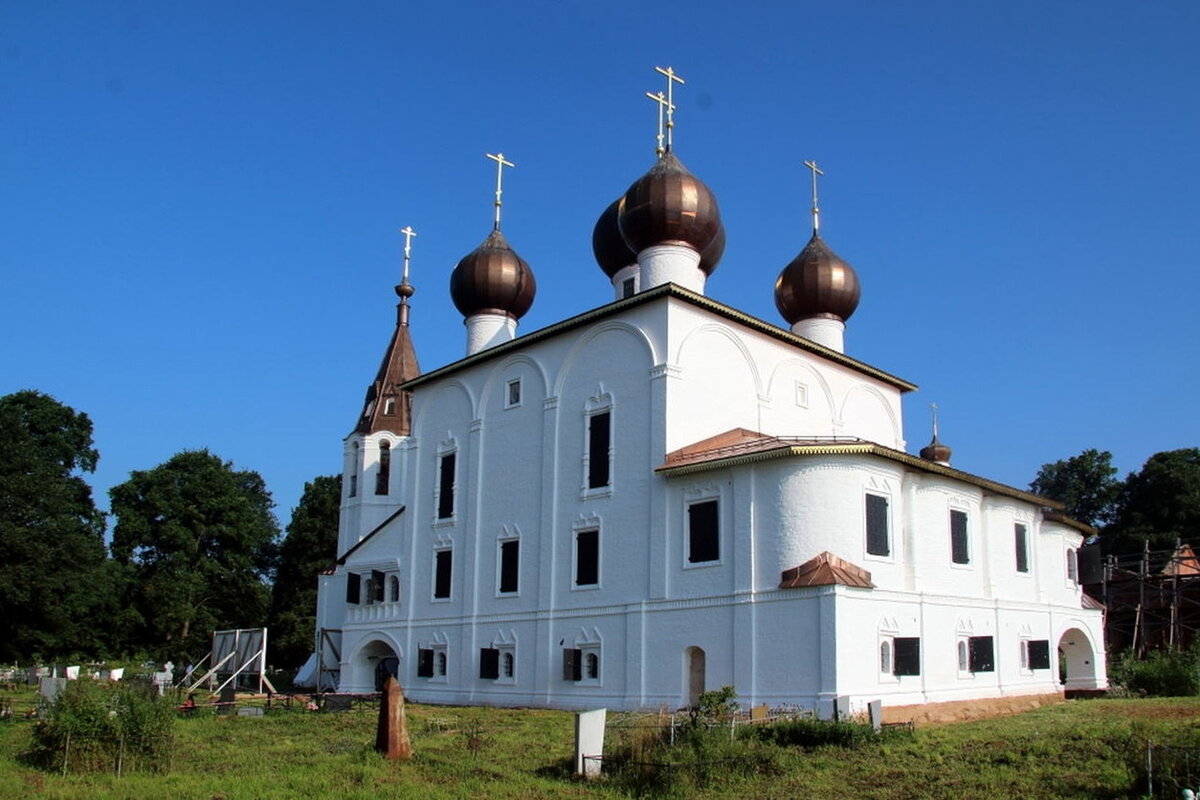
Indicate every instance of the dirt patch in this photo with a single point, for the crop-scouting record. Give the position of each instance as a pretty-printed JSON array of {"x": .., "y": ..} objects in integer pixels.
[{"x": 962, "y": 710}]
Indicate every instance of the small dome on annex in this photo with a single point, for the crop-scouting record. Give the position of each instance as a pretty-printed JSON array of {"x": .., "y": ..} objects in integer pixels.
[
  {"x": 817, "y": 283},
  {"x": 493, "y": 279}
]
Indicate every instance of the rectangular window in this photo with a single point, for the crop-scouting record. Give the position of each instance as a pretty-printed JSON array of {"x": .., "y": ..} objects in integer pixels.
[
  {"x": 877, "y": 525},
  {"x": 599, "y": 431},
  {"x": 383, "y": 476},
  {"x": 572, "y": 664},
  {"x": 1021, "y": 541},
  {"x": 425, "y": 663},
  {"x": 1039, "y": 654},
  {"x": 627, "y": 286},
  {"x": 489, "y": 663},
  {"x": 1072, "y": 565},
  {"x": 510, "y": 553},
  {"x": 446, "y": 487},
  {"x": 982, "y": 654},
  {"x": 441, "y": 579},
  {"x": 704, "y": 543},
  {"x": 514, "y": 393},
  {"x": 353, "y": 588},
  {"x": 353, "y": 485},
  {"x": 587, "y": 558},
  {"x": 960, "y": 552},
  {"x": 907, "y": 658},
  {"x": 376, "y": 586}
]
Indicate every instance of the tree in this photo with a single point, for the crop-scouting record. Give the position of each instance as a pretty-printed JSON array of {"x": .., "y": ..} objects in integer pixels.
[
  {"x": 1086, "y": 484},
  {"x": 1160, "y": 503},
  {"x": 201, "y": 540},
  {"x": 308, "y": 548},
  {"x": 51, "y": 535}
]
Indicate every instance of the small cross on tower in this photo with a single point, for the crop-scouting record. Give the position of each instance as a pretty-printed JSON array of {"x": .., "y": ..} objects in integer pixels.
[
  {"x": 661, "y": 99},
  {"x": 501, "y": 163},
  {"x": 409, "y": 233},
  {"x": 816, "y": 211}
]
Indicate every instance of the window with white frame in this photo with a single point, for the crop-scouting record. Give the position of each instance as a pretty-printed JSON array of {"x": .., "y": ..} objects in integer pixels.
[
  {"x": 704, "y": 539},
  {"x": 443, "y": 567},
  {"x": 1072, "y": 565},
  {"x": 383, "y": 476},
  {"x": 878, "y": 533},
  {"x": 512, "y": 397},
  {"x": 509, "y": 566},
  {"x": 1021, "y": 546},
  {"x": 587, "y": 557},
  {"x": 599, "y": 449},
  {"x": 431, "y": 662},
  {"x": 445, "y": 485},
  {"x": 960, "y": 546}
]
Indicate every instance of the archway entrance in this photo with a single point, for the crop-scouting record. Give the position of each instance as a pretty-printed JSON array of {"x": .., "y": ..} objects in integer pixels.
[
  {"x": 378, "y": 660},
  {"x": 1076, "y": 660},
  {"x": 694, "y": 662}
]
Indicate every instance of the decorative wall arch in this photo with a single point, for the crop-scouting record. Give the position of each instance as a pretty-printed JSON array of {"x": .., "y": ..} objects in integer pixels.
[
  {"x": 572, "y": 356},
  {"x": 818, "y": 378},
  {"x": 738, "y": 343},
  {"x": 450, "y": 386},
  {"x": 497, "y": 374},
  {"x": 877, "y": 396}
]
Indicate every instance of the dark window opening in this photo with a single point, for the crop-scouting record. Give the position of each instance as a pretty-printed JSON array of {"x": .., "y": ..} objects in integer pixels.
[
  {"x": 384, "y": 475},
  {"x": 353, "y": 588},
  {"x": 441, "y": 663},
  {"x": 389, "y": 406},
  {"x": 1039, "y": 654},
  {"x": 446, "y": 487},
  {"x": 627, "y": 288},
  {"x": 441, "y": 581},
  {"x": 587, "y": 558},
  {"x": 877, "y": 525},
  {"x": 394, "y": 589},
  {"x": 489, "y": 663},
  {"x": 907, "y": 658},
  {"x": 704, "y": 543},
  {"x": 424, "y": 663},
  {"x": 981, "y": 654},
  {"x": 959, "y": 549},
  {"x": 514, "y": 393},
  {"x": 353, "y": 485},
  {"x": 592, "y": 664},
  {"x": 508, "y": 665},
  {"x": 1072, "y": 566},
  {"x": 509, "y": 565},
  {"x": 375, "y": 586},
  {"x": 1021, "y": 542},
  {"x": 599, "y": 427}
]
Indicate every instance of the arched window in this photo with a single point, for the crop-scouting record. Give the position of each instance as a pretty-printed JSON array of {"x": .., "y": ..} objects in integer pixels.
[
  {"x": 441, "y": 662},
  {"x": 394, "y": 589},
  {"x": 508, "y": 665},
  {"x": 593, "y": 665},
  {"x": 963, "y": 661},
  {"x": 383, "y": 476},
  {"x": 354, "y": 472},
  {"x": 885, "y": 657}
]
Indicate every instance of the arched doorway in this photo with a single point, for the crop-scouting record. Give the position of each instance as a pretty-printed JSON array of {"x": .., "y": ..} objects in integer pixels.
[
  {"x": 694, "y": 665},
  {"x": 375, "y": 662},
  {"x": 1076, "y": 660}
]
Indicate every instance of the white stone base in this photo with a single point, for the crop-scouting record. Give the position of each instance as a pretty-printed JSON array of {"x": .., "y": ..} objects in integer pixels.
[
  {"x": 670, "y": 263},
  {"x": 488, "y": 330},
  {"x": 822, "y": 330}
]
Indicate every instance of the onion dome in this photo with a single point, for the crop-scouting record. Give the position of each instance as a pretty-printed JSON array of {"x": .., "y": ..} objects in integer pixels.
[
  {"x": 669, "y": 205},
  {"x": 936, "y": 451},
  {"x": 492, "y": 279},
  {"x": 710, "y": 255},
  {"x": 612, "y": 254},
  {"x": 816, "y": 284}
]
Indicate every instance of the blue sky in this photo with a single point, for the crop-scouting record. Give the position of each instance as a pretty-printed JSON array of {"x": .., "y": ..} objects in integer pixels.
[{"x": 200, "y": 203}]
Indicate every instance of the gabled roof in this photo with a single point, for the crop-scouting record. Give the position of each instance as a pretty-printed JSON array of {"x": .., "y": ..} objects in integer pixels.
[
  {"x": 740, "y": 446},
  {"x": 667, "y": 290},
  {"x": 826, "y": 569}
]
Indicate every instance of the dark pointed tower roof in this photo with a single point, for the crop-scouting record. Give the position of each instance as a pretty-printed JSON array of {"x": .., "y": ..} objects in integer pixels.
[
  {"x": 493, "y": 279},
  {"x": 817, "y": 283},
  {"x": 387, "y": 407},
  {"x": 669, "y": 205}
]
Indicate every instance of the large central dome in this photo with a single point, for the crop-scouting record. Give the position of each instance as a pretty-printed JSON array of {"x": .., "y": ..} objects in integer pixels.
[{"x": 669, "y": 205}]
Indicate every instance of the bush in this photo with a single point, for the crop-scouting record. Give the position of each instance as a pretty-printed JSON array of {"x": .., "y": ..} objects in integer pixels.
[
  {"x": 94, "y": 727},
  {"x": 812, "y": 733},
  {"x": 1162, "y": 673}
]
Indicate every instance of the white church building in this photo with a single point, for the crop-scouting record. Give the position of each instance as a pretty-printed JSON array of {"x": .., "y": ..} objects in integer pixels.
[{"x": 664, "y": 495}]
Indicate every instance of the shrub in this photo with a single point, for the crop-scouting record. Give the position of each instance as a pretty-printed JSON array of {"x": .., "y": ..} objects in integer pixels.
[
  {"x": 94, "y": 727},
  {"x": 1162, "y": 673}
]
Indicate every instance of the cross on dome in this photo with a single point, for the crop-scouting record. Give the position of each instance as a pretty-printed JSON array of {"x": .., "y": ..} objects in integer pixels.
[
  {"x": 409, "y": 234},
  {"x": 816, "y": 211},
  {"x": 661, "y": 99},
  {"x": 672, "y": 79},
  {"x": 501, "y": 163}
]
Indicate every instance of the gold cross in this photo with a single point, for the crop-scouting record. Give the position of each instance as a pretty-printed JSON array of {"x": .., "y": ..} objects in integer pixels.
[
  {"x": 816, "y": 211},
  {"x": 409, "y": 233},
  {"x": 500, "y": 165},
  {"x": 672, "y": 79},
  {"x": 661, "y": 99}
]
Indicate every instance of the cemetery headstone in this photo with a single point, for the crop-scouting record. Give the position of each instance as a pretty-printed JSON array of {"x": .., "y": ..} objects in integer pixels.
[
  {"x": 50, "y": 687},
  {"x": 875, "y": 710},
  {"x": 391, "y": 737},
  {"x": 589, "y": 741},
  {"x": 228, "y": 699},
  {"x": 841, "y": 709}
]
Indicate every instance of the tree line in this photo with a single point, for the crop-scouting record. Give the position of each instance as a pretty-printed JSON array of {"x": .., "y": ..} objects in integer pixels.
[{"x": 195, "y": 547}]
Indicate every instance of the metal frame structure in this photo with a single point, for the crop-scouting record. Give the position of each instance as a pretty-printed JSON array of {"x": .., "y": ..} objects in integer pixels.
[
  {"x": 234, "y": 652},
  {"x": 1152, "y": 600}
]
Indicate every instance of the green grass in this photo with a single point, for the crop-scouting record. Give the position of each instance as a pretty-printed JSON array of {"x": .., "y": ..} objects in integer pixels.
[{"x": 1079, "y": 749}]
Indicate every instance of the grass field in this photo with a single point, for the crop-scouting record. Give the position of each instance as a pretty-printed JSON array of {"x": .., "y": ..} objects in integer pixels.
[{"x": 1079, "y": 749}]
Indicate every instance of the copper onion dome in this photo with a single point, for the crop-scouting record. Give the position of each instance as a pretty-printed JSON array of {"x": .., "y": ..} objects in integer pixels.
[
  {"x": 612, "y": 254},
  {"x": 669, "y": 205},
  {"x": 817, "y": 284},
  {"x": 492, "y": 279},
  {"x": 710, "y": 255},
  {"x": 936, "y": 451}
]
